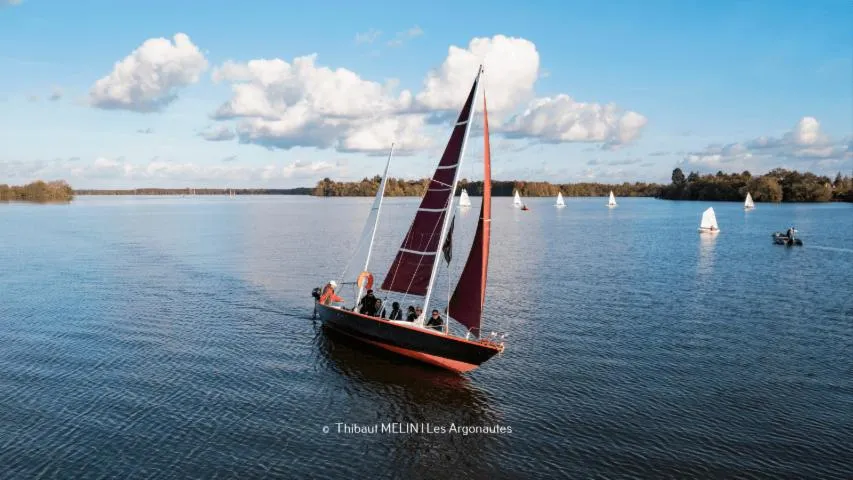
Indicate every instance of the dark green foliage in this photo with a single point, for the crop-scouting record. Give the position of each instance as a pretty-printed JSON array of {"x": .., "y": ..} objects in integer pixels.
[
  {"x": 38, "y": 191},
  {"x": 367, "y": 187},
  {"x": 414, "y": 188},
  {"x": 678, "y": 177},
  {"x": 778, "y": 185}
]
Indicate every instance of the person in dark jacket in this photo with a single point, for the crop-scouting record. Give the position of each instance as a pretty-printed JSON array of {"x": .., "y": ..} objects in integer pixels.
[
  {"x": 380, "y": 312},
  {"x": 367, "y": 305},
  {"x": 396, "y": 313},
  {"x": 435, "y": 322},
  {"x": 411, "y": 316}
]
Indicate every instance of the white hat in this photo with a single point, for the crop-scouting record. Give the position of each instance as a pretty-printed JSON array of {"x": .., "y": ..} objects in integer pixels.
[{"x": 333, "y": 283}]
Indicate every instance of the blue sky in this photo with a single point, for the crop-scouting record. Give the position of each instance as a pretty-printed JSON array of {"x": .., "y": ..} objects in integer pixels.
[{"x": 702, "y": 85}]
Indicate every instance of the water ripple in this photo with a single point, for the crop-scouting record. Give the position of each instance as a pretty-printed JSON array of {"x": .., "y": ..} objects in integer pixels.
[{"x": 172, "y": 338}]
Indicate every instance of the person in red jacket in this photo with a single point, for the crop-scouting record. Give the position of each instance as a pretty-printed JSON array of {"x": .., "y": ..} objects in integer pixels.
[{"x": 329, "y": 295}]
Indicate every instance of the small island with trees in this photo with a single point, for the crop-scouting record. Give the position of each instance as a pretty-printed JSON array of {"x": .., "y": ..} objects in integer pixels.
[{"x": 39, "y": 191}]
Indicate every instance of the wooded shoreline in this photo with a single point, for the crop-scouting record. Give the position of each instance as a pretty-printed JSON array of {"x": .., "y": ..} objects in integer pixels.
[
  {"x": 778, "y": 185},
  {"x": 57, "y": 191}
]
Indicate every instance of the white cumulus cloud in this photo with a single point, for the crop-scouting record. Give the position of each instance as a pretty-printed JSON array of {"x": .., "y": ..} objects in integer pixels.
[
  {"x": 512, "y": 67},
  {"x": 562, "y": 119},
  {"x": 285, "y": 105},
  {"x": 804, "y": 146},
  {"x": 149, "y": 78},
  {"x": 281, "y": 104}
]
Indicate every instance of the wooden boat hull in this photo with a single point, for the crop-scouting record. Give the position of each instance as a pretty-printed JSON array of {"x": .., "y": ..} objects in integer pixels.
[{"x": 448, "y": 352}]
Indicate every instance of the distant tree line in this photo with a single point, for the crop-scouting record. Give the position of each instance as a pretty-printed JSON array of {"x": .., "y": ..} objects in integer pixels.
[
  {"x": 396, "y": 187},
  {"x": 38, "y": 191},
  {"x": 778, "y": 185},
  {"x": 198, "y": 191},
  {"x": 367, "y": 187}
]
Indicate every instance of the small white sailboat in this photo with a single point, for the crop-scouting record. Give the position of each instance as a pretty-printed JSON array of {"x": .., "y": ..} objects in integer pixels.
[
  {"x": 560, "y": 203},
  {"x": 464, "y": 201},
  {"x": 748, "y": 204},
  {"x": 516, "y": 202},
  {"x": 612, "y": 202},
  {"x": 709, "y": 222}
]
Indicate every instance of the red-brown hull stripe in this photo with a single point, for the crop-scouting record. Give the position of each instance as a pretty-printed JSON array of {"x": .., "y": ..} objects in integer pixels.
[{"x": 442, "y": 362}]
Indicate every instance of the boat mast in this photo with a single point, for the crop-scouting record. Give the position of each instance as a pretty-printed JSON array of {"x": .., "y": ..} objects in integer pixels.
[
  {"x": 447, "y": 215},
  {"x": 380, "y": 194}
]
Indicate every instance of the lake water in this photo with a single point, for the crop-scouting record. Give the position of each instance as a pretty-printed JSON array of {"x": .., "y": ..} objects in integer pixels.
[{"x": 168, "y": 337}]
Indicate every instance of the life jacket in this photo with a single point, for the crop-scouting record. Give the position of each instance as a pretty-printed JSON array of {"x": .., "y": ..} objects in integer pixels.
[{"x": 329, "y": 296}]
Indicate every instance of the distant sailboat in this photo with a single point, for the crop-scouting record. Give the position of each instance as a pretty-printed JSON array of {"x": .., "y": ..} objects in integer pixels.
[
  {"x": 709, "y": 222},
  {"x": 612, "y": 202},
  {"x": 748, "y": 204},
  {"x": 516, "y": 202},
  {"x": 464, "y": 201},
  {"x": 560, "y": 203}
]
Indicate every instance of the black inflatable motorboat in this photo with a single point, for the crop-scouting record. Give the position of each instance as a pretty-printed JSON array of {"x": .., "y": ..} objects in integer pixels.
[{"x": 780, "y": 238}]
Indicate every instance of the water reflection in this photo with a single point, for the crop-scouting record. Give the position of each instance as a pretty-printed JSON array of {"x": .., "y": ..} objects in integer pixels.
[
  {"x": 402, "y": 390},
  {"x": 707, "y": 241},
  {"x": 375, "y": 368}
]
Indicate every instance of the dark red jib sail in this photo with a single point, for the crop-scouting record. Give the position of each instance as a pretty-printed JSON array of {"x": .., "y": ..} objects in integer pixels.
[
  {"x": 466, "y": 304},
  {"x": 412, "y": 267}
]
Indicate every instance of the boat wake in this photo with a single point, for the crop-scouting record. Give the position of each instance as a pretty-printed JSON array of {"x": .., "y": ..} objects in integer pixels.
[{"x": 832, "y": 249}]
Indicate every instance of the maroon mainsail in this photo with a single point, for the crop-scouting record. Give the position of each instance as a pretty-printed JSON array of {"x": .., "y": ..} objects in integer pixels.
[
  {"x": 412, "y": 267},
  {"x": 466, "y": 304}
]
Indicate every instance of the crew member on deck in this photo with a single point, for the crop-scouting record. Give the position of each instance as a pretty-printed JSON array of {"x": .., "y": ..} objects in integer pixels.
[
  {"x": 378, "y": 310},
  {"x": 367, "y": 305},
  {"x": 328, "y": 295},
  {"x": 435, "y": 322},
  {"x": 411, "y": 316},
  {"x": 396, "y": 313}
]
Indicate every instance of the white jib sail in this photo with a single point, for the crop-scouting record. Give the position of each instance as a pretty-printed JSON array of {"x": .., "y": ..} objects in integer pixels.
[
  {"x": 560, "y": 202},
  {"x": 516, "y": 202},
  {"x": 612, "y": 201},
  {"x": 361, "y": 259},
  {"x": 748, "y": 203}
]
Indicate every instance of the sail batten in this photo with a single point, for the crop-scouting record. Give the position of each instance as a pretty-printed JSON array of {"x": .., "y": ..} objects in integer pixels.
[
  {"x": 466, "y": 303},
  {"x": 413, "y": 268}
]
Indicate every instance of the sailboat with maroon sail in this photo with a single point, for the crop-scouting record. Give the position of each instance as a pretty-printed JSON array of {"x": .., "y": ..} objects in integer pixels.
[{"x": 414, "y": 269}]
